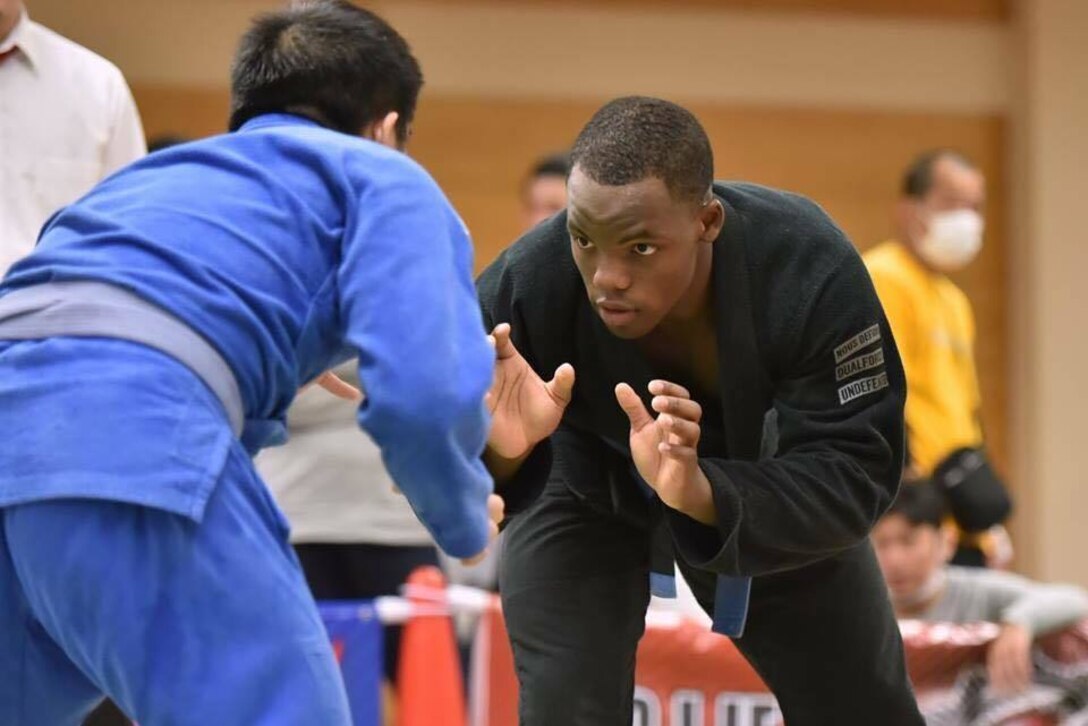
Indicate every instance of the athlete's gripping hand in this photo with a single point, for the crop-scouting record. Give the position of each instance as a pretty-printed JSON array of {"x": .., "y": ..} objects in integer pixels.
[
  {"x": 664, "y": 448},
  {"x": 524, "y": 409}
]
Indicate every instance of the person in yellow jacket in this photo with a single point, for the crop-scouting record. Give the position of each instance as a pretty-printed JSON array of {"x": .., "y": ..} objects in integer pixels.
[{"x": 940, "y": 228}]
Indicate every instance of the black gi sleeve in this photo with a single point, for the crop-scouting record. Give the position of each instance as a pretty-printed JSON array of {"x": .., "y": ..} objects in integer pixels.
[
  {"x": 494, "y": 287},
  {"x": 839, "y": 403}
]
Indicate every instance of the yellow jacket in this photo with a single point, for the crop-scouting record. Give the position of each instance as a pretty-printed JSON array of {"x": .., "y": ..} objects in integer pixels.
[{"x": 934, "y": 328}]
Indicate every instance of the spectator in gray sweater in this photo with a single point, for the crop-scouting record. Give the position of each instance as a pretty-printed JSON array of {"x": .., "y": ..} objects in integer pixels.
[{"x": 913, "y": 547}]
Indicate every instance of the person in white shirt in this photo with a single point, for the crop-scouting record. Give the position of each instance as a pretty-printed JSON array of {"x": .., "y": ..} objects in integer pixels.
[{"x": 67, "y": 120}]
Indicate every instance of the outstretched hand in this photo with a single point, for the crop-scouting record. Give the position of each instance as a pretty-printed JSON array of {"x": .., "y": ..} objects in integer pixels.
[
  {"x": 664, "y": 448},
  {"x": 524, "y": 409}
]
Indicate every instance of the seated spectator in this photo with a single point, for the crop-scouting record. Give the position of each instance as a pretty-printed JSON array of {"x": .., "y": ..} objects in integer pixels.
[{"x": 913, "y": 548}]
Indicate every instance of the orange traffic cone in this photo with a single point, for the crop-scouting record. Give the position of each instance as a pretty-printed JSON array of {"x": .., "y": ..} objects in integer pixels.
[{"x": 430, "y": 689}]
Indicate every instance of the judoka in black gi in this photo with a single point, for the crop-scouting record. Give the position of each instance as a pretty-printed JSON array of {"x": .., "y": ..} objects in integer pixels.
[{"x": 717, "y": 416}]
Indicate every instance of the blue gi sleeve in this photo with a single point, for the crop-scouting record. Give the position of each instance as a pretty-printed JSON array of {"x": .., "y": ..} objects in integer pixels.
[{"x": 409, "y": 307}]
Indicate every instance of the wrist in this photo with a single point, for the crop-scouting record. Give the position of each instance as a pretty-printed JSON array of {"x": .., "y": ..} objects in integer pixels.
[
  {"x": 699, "y": 500},
  {"x": 503, "y": 468}
]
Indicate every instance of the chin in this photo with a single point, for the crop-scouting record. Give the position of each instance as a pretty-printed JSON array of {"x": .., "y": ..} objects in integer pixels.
[{"x": 629, "y": 331}]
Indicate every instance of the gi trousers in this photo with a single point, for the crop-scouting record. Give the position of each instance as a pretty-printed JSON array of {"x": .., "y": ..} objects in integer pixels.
[{"x": 575, "y": 587}]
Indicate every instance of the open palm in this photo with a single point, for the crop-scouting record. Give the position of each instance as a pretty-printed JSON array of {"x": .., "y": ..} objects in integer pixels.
[
  {"x": 524, "y": 409},
  {"x": 664, "y": 448}
]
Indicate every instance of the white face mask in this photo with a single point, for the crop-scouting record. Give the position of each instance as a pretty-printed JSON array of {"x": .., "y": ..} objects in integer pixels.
[{"x": 953, "y": 240}]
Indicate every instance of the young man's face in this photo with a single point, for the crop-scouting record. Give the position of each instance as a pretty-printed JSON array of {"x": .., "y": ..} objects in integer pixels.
[
  {"x": 638, "y": 250},
  {"x": 909, "y": 554}
]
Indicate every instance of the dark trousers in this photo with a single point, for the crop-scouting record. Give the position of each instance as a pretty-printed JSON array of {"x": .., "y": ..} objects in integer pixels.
[{"x": 575, "y": 587}]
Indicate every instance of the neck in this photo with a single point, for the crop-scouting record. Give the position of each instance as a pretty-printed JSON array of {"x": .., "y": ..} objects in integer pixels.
[
  {"x": 8, "y": 21},
  {"x": 913, "y": 252},
  {"x": 921, "y": 600},
  {"x": 695, "y": 310}
]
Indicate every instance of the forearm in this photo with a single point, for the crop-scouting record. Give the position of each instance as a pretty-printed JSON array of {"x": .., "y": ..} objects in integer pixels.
[
  {"x": 1048, "y": 608},
  {"x": 779, "y": 514}
]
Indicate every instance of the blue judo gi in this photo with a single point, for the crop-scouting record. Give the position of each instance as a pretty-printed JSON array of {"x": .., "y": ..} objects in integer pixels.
[{"x": 140, "y": 555}]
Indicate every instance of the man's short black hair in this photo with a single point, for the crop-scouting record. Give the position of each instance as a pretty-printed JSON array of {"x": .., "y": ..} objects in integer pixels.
[
  {"x": 918, "y": 178},
  {"x": 920, "y": 503},
  {"x": 329, "y": 60},
  {"x": 635, "y": 137}
]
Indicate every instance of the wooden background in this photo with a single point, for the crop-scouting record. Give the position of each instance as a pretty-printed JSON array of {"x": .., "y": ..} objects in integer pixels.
[{"x": 848, "y": 161}]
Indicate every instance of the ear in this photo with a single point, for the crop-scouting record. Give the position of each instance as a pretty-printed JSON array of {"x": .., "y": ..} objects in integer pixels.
[
  {"x": 712, "y": 218},
  {"x": 384, "y": 131}
]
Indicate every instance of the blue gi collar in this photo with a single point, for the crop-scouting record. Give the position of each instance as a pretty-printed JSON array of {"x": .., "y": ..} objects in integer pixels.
[{"x": 267, "y": 120}]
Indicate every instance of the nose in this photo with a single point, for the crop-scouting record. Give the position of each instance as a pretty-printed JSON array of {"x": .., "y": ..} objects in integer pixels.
[{"x": 610, "y": 276}]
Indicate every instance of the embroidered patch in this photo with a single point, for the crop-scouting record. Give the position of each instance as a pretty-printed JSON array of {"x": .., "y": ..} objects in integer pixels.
[
  {"x": 862, "y": 387},
  {"x": 859, "y": 341},
  {"x": 863, "y": 362}
]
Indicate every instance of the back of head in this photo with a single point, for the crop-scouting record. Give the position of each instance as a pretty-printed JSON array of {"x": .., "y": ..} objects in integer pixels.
[
  {"x": 329, "y": 60},
  {"x": 920, "y": 503},
  {"x": 635, "y": 137}
]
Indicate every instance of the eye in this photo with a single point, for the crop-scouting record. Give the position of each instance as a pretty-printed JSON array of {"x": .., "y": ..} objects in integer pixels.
[
  {"x": 580, "y": 241},
  {"x": 644, "y": 249}
]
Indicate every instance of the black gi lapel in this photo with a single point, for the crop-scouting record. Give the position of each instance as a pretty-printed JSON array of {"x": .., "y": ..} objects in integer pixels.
[
  {"x": 744, "y": 381},
  {"x": 612, "y": 361}
]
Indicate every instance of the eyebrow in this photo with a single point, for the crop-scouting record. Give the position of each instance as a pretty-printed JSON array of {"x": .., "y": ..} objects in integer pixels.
[{"x": 639, "y": 233}]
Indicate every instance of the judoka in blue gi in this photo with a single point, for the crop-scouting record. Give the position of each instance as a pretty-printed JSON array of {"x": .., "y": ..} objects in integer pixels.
[{"x": 154, "y": 340}]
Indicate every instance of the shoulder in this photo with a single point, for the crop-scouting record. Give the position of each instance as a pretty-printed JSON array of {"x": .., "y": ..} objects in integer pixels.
[
  {"x": 983, "y": 580},
  {"x": 539, "y": 265},
  {"x": 892, "y": 274},
  {"x": 789, "y": 239}
]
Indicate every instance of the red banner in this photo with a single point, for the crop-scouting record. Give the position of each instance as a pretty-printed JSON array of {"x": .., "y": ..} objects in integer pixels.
[{"x": 687, "y": 676}]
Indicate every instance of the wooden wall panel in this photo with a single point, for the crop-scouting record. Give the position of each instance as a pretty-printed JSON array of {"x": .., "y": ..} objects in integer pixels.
[
  {"x": 943, "y": 10},
  {"x": 848, "y": 161}
]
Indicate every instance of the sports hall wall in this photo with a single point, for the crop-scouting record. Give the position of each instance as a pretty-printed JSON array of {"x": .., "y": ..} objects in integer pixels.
[{"x": 829, "y": 98}]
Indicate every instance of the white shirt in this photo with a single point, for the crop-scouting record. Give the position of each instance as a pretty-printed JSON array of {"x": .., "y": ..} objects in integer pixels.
[{"x": 67, "y": 120}]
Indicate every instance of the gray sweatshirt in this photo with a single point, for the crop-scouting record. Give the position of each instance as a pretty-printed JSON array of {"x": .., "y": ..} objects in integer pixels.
[{"x": 973, "y": 595}]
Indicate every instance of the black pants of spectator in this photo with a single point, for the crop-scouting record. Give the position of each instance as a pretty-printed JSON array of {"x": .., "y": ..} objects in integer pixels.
[
  {"x": 575, "y": 588},
  {"x": 363, "y": 572}
]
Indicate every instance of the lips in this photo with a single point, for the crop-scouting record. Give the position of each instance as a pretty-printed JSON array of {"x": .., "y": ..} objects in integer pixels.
[{"x": 615, "y": 313}]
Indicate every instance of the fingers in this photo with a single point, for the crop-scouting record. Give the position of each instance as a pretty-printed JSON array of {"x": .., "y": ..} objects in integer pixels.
[
  {"x": 562, "y": 384},
  {"x": 683, "y": 408},
  {"x": 341, "y": 389},
  {"x": 632, "y": 405},
  {"x": 682, "y": 454},
  {"x": 681, "y": 432},
  {"x": 496, "y": 511},
  {"x": 667, "y": 388},
  {"x": 504, "y": 347},
  {"x": 672, "y": 398}
]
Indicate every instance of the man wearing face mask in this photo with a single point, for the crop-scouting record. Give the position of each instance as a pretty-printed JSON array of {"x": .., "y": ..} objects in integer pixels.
[{"x": 940, "y": 228}]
